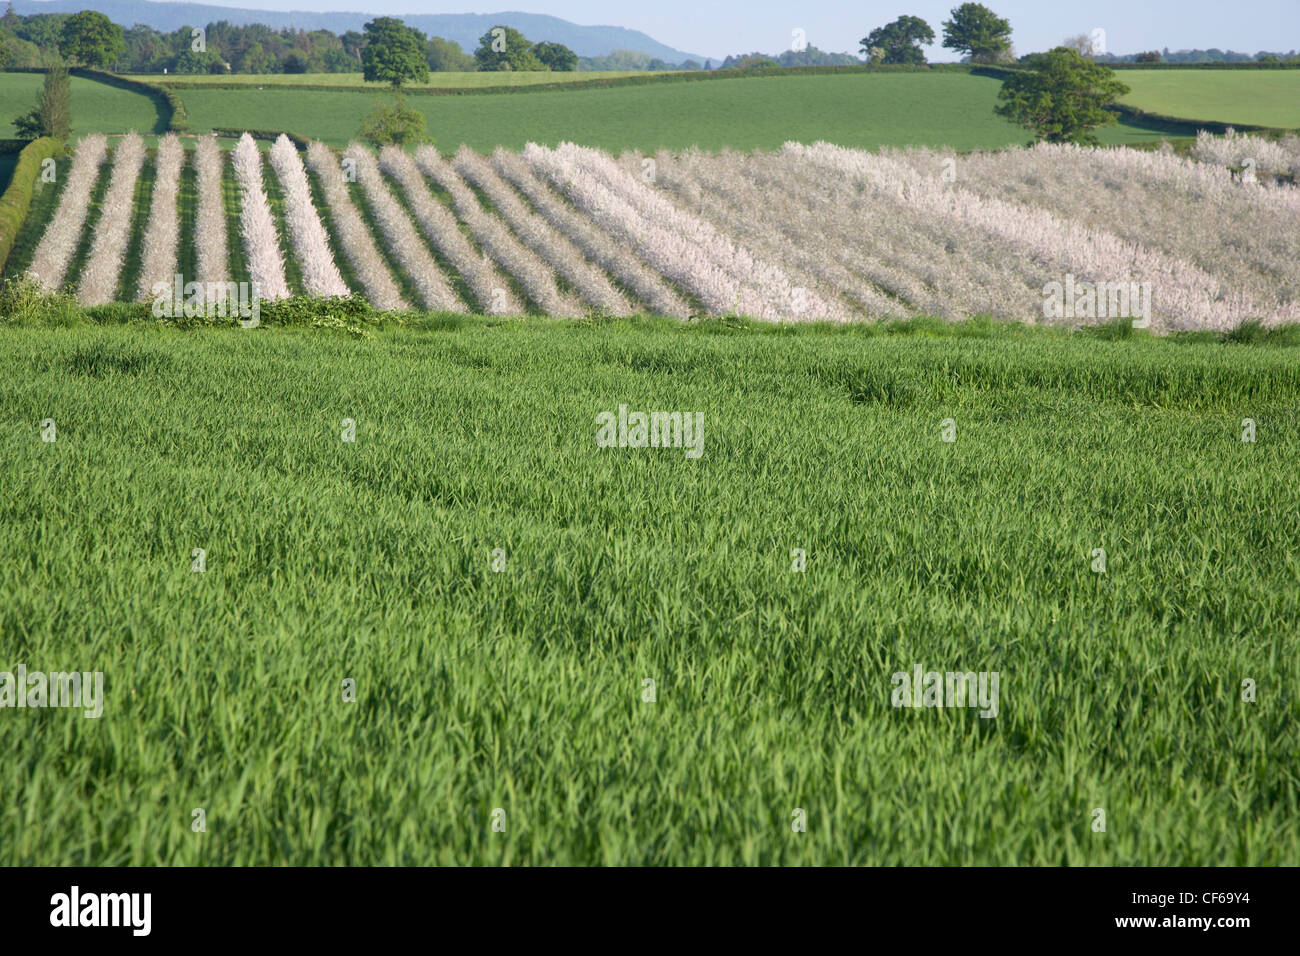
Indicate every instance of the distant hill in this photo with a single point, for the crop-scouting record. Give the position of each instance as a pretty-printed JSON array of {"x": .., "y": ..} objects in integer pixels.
[{"x": 464, "y": 28}]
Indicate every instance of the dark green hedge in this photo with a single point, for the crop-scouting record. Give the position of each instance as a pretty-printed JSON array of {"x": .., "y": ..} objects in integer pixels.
[
  {"x": 18, "y": 197},
  {"x": 1181, "y": 126},
  {"x": 177, "y": 119}
]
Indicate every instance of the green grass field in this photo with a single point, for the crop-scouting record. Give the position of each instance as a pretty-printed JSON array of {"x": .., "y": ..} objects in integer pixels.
[
  {"x": 523, "y": 690},
  {"x": 862, "y": 110},
  {"x": 945, "y": 109},
  {"x": 96, "y": 107},
  {"x": 445, "y": 81},
  {"x": 1254, "y": 97}
]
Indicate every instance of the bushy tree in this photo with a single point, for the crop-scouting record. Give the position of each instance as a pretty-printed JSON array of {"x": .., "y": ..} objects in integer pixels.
[
  {"x": 255, "y": 59},
  {"x": 811, "y": 56},
  {"x": 556, "y": 56},
  {"x": 901, "y": 41},
  {"x": 446, "y": 56},
  {"x": 506, "y": 49},
  {"x": 334, "y": 60},
  {"x": 205, "y": 62},
  {"x": 43, "y": 29},
  {"x": 353, "y": 43},
  {"x": 616, "y": 60},
  {"x": 393, "y": 124},
  {"x": 145, "y": 49},
  {"x": 394, "y": 53},
  {"x": 295, "y": 61},
  {"x": 978, "y": 31},
  {"x": 1061, "y": 97},
  {"x": 28, "y": 125},
  {"x": 91, "y": 39}
]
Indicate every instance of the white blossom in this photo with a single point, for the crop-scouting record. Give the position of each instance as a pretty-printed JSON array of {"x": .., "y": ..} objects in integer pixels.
[
  {"x": 103, "y": 267},
  {"x": 320, "y": 276},
  {"x": 59, "y": 243}
]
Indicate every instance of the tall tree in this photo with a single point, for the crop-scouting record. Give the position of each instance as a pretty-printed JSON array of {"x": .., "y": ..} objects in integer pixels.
[
  {"x": 52, "y": 115},
  {"x": 505, "y": 48},
  {"x": 1061, "y": 97},
  {"x": 900, "y": 41},
  {"x": 393, "y": 54},
  {"x": 92, "y": 39},
  {"x": 56, "y": 103},
  {"x": 556, "y": 56},
  {"x": 978, "y": 31},
  {"x": 446, "y": 56}
]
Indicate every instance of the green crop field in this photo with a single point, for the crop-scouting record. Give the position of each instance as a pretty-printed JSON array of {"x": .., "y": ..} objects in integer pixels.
[
  {"x": 524, "y": 689},
  {"x": 96, "y": 107},
  {"x": 1254, "y": 97},
  {"x": 449, "y": 81},
  {"x": 943, "y": 109}
]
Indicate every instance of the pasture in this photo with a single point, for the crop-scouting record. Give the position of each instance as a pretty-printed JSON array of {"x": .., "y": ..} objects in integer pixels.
[
  {"x": 861, "y": 110},
  {"x": 1256, "y": 97}
]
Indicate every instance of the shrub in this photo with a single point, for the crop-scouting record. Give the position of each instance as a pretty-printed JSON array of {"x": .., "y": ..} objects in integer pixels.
[
  {"x": 24, "y": 301},
  {"x": 395, "y": 124}
]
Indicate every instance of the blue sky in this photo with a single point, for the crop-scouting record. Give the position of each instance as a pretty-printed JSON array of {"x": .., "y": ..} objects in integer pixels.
[{"x": 719, "y": 27}]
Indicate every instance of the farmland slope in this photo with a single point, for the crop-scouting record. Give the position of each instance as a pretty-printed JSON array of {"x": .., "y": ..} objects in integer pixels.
[{"x": 863, "y": 110}]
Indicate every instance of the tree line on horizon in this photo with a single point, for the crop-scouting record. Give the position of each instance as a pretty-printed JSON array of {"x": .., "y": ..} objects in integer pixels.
[
  {"x": 89, "y": 38},
  {"x": 35, "y": 41},
  {"x": 983, "y": 37}
]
